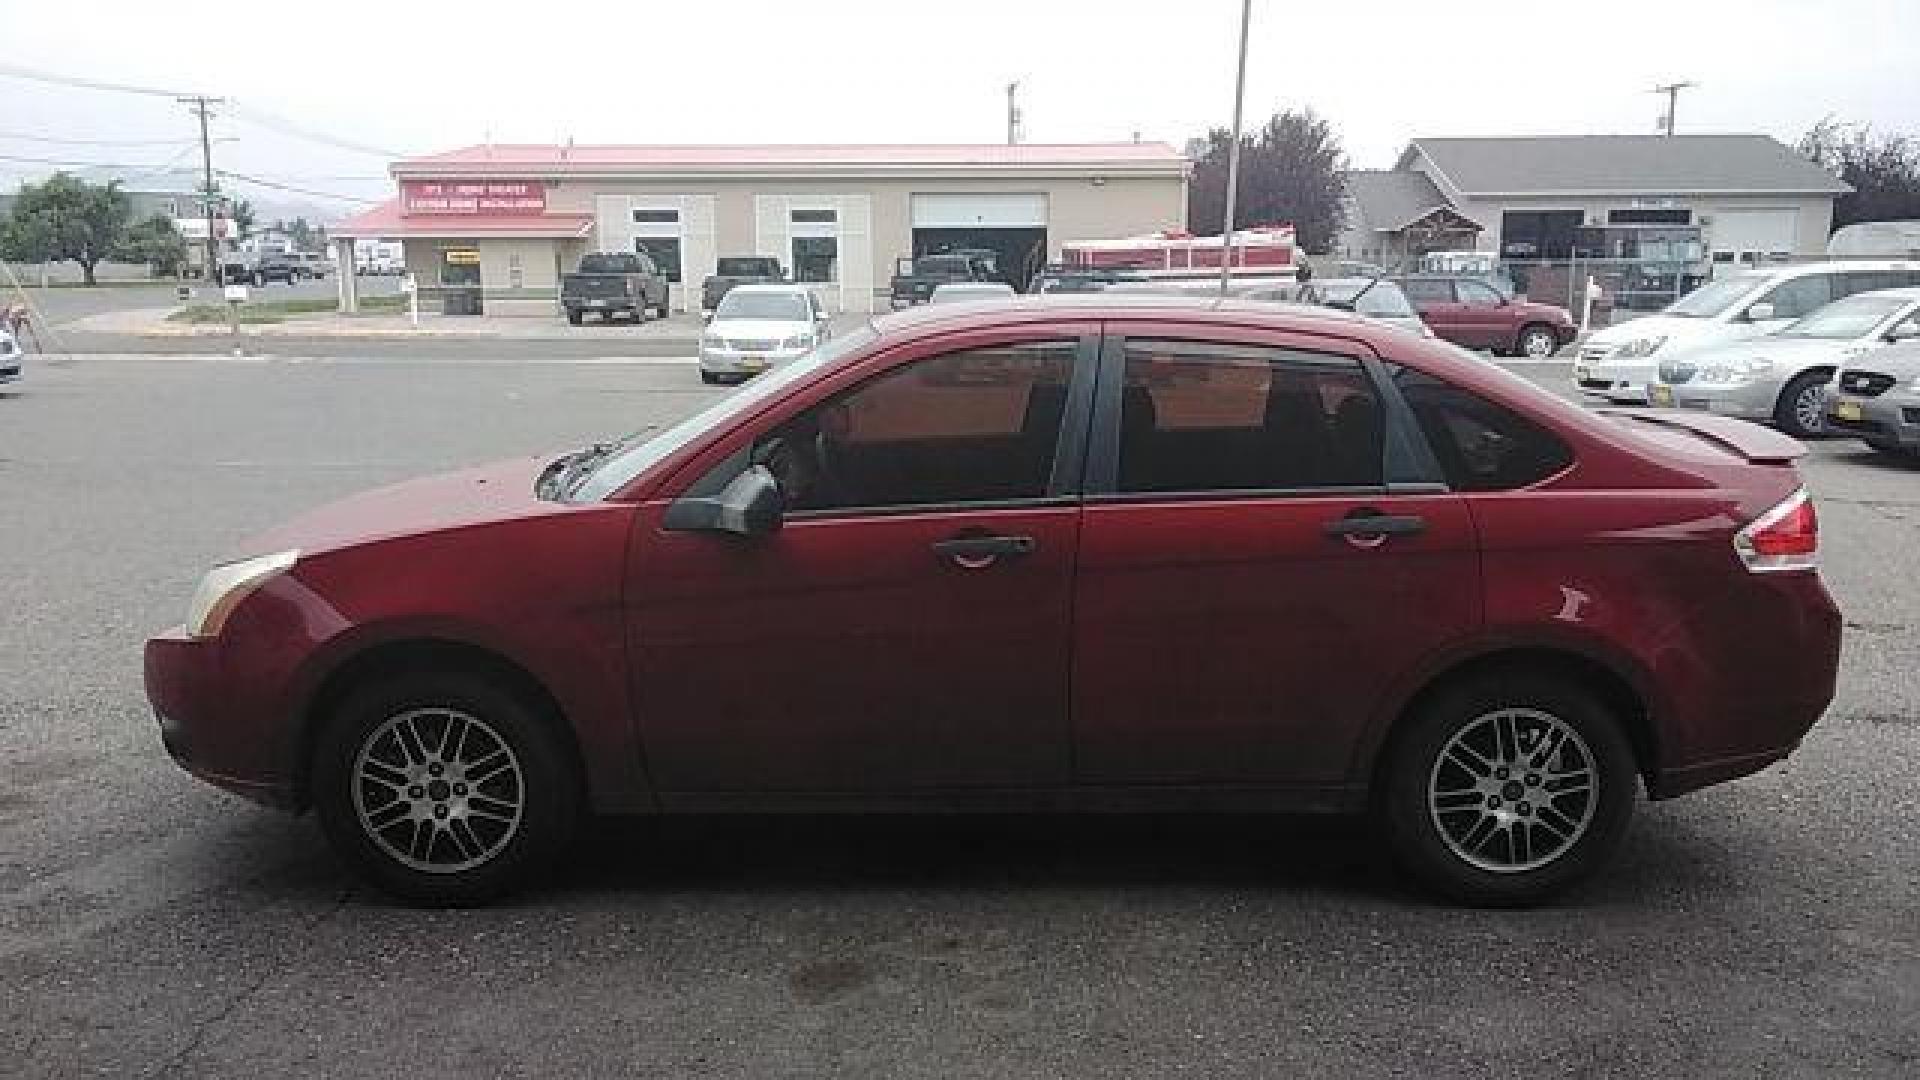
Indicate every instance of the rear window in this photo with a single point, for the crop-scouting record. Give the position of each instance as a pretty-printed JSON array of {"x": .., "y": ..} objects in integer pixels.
[
  {"x": 943, "y": 264},
  {"x": 1481, "y": 446},
  {"x": 618, "y": 262},
  {"x": 748, "y": 268}
]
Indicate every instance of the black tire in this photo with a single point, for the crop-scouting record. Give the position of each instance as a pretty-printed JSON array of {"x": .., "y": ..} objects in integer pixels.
[
  {"x": 1414, "y": 768},
  {"x": 1800, "y": 412},
  {"x": 1536, "y": 336},
  {"x": 664, "y": 309},
  {"x": 575, "y": 317},
  {"x": 546, "y": 785}
]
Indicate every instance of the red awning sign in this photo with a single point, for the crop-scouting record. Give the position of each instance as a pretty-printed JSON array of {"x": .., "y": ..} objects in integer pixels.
[{"x": 478, "y": 197}]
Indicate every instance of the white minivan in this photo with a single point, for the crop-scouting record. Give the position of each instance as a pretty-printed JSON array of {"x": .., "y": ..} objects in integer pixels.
[{"x": 1619, "y": 362}]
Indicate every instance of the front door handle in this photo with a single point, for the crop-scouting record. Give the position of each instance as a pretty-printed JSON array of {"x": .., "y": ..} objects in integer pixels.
[
  {"x": 974, "y": 552},
  {"x": 1369, "y": 528}
]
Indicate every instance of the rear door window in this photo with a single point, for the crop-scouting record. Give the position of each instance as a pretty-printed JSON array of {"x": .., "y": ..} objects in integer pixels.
[
  {"x": 1428, "y": 291},
  {"x": 1481, "y": 446},
  {"x": 1203, "y": 417}
]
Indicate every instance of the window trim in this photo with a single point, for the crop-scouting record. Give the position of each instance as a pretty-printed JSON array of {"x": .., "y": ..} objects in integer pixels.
[{"x": 1408, "y": 465}]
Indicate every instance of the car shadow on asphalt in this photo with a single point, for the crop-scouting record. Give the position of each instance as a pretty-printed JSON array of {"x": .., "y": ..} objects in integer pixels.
[{"x": 1873, "y": 459}]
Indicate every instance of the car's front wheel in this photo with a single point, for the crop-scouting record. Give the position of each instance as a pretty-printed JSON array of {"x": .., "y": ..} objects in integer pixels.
[
  {"x": 443, "y": 788},
  {"x": 1505, "y": 790},
  {"x": 1537, "y": 342},
  {"x": 1801, "y": 409}
]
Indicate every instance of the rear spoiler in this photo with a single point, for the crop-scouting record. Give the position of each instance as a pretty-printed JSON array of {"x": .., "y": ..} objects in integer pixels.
[{"x": 1763, "y": 446}]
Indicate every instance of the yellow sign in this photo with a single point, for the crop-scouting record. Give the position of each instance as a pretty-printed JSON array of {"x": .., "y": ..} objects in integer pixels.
[{"x": 461, "y": 257}]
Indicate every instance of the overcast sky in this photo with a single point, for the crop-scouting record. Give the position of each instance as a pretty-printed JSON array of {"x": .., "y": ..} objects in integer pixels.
[{"x": 418, "y": 77}]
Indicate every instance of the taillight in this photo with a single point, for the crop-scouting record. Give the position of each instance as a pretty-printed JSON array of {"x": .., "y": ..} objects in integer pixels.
[{"x": 1786, "y": 537}]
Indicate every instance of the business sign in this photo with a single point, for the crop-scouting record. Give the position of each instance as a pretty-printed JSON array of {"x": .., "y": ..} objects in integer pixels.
[{"x": 478, "y": 198}]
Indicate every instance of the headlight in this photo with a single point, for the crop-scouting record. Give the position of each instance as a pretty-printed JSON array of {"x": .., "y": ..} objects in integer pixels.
[
  {"x": 1736, "y": 371},
  {"x": 1639, "y": 347},
  {"x": 225, "y": 586}
]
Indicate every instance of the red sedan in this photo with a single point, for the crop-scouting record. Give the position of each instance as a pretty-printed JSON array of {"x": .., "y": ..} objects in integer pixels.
[{"x": 1101, "y": 553}]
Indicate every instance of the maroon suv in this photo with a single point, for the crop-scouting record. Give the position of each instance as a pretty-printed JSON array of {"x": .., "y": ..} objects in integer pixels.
[
  {"x": 1474, "y": 314},
  {"x": 1115, "y": 554}
]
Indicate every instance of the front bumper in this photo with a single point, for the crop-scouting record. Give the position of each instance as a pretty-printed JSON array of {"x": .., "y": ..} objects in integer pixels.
[
  {"x": 1745, "y": 401},
  {"x": 1890, "y": 421},
  {"x": 200, "y": 725},
  {"x": 1615, "y": 380},
  {"x": 9, "y": 368},
  {"x": 717, "y": 361}
]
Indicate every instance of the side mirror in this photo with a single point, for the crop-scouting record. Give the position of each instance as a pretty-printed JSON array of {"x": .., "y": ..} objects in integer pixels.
[
  {"x": 1761, "y": 312},
  {"x": 750, "y": 505}
]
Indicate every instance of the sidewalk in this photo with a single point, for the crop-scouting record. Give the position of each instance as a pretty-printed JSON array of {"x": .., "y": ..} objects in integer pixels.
[{"x": 152, "y": 322}]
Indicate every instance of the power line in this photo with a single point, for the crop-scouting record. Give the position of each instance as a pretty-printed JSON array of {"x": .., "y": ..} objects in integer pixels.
[
  {"x": 277, "y": 186},
  {"x": 14, "y": 71},
  {"x": 248, "y": 114},
  {"x": 22, "y": 137}
]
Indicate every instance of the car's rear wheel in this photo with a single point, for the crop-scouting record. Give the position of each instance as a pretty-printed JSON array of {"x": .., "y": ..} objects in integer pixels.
[
  {"x": 1507, "y": 789},
  {"x": 1800, "y": 412},
  {"x": 1537, "y": 342},
  {"x": 575, "y": 316},
  {"x": 443, "y": 788}
]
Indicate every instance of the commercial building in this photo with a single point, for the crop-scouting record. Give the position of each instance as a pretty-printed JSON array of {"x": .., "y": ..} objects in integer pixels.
[
  {"x": 495, "y": 226},
  {"x": 1655, "y": 212}
]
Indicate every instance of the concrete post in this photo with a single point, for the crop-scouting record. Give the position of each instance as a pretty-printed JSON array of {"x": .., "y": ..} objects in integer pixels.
[{"x": 343, "y": 272}]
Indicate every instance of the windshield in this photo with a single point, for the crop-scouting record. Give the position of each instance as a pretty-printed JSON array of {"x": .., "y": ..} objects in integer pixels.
[
  {"x": 619, "y": 469},
  {"x": 1714, "y": 297},
  {"x": 1854, "y": 317},
  {"x": 747, "y": 268},
  {"x": 780, "y": 306},
  {"x": 1383, "y": 300}
]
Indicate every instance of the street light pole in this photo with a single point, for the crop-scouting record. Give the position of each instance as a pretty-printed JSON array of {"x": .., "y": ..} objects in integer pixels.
[{"x": 1233, "y": 152}]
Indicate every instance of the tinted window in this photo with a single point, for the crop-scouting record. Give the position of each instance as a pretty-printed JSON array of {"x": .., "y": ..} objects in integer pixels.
[
  {"x": 1427, "y": 291},
  {"x": 1202, "y": 417},
  {"x": 974, "y": 426},
  {"x": 1481, "y": 446},
  {"x": 1792, "y": 299},
  {"x": 737, "y": 267}
]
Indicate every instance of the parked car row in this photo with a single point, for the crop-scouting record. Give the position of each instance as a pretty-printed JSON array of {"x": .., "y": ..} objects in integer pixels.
[{"x": 259, "y": 268}]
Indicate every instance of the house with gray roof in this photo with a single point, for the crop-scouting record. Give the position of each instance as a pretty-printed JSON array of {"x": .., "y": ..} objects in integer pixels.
[{"x": 1740, "y": 198}]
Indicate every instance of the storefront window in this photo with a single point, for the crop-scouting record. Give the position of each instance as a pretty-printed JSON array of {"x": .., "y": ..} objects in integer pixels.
[
  {"x": 664, "y": 251},
  {"x": 459, "y": 267},
  {"x": 816, "y": 259}
]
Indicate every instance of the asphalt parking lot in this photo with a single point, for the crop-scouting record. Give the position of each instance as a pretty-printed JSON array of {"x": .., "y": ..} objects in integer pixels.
[{"x": 152, "y": 926}]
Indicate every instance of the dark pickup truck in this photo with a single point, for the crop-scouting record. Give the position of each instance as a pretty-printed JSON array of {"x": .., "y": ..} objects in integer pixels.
[
  {"x": 613, "y": 283},
  {"x": 748, "y": 270},
  {"x": 915, "y": 279}
]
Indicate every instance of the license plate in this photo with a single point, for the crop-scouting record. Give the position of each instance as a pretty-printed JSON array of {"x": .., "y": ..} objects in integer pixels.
[
  {"x": 1847, "y": 410},
  {"x": 1661, "y": 395}
]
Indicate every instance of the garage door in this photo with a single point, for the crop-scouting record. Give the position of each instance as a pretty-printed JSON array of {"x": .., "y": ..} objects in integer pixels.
[
  {"x": 999, "y": 210},
  {"x": 1769, "y": 232}
]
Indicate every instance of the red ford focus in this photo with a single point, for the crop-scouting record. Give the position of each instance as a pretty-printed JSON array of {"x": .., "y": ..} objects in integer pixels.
[{"x": 1106, "y": 555}]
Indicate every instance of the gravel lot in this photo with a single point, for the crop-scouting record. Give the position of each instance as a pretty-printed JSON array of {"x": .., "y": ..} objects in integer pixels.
[{"x": 150, "y": 925}]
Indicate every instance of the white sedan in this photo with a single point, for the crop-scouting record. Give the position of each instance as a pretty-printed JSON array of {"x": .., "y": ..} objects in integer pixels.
[
  {"x": 757, "y": 327},
  {"x": 970, "y": 292}
]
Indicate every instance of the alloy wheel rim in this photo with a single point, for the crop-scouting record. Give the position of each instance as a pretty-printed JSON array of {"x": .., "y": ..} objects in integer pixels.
[
  {"x": 1806, "y": 407},
  {"x": 1513, "y": 790},
  {"x": 1539, "y": 344},
  {"x": 438, "y": 790}
]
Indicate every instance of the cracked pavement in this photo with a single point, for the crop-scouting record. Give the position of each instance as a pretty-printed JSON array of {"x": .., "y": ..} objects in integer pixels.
[{"x": 151, "y": 926}]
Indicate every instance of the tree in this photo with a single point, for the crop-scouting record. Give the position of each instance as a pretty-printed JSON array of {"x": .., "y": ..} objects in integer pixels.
[
  {"x": 67, "y": 218},
  {"x": 242, "y": 214},
  {"x": 1883, "y": 169},
  {"x": 1289, "y": 172},
  {"x": 301, "y": 234},
  {"x": 157, "y": 243}
]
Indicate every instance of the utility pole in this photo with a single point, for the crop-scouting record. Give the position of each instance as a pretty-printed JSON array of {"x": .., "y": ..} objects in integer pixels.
[
  {"x": 1672, "y": 90},
  {"x": 210, "y": 199},
  {"x": 1233, "y": 152},
  {"x": 1013, "y": 112}
]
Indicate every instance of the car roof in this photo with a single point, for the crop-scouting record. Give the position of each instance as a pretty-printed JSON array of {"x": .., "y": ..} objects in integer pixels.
[
  {"x": 1905, "y": 292},
  {"x": 768, "y": 287},
  {"x": 1231, "y": 311}
]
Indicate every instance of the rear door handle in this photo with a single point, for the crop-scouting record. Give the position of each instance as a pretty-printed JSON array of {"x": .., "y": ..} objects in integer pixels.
[
  {"x": 974, "y": 552},
  {"x": 1365, "y": 525}
]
